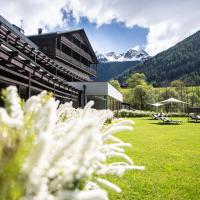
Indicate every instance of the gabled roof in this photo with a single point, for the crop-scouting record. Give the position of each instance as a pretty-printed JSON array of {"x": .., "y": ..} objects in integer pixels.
[{"x": 82, "y": 31}]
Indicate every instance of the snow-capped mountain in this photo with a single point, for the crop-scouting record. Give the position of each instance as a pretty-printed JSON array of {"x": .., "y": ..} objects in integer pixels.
[
  {"x": 130, "y": 55},
  {"x": 101, "y": 57}
]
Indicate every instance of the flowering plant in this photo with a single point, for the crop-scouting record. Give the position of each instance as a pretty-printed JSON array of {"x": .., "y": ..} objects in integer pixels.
[{"x": 58, "y": 152}]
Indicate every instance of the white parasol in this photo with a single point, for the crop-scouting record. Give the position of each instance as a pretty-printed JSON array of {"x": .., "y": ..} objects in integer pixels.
[
  {"x": 158, "y": 104},
  {"x": 172, "y": 100}
]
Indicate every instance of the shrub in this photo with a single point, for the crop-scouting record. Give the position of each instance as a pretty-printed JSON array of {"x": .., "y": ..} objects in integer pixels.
[
  {"x": 51, "y": 152},
  {"x": 123, "y": 113},
  {"x": 132, "y": 113},
  {"x": 177, "y": 114}
]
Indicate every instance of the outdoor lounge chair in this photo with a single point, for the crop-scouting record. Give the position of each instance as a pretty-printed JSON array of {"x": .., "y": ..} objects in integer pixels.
[
  {"x": 162, "y": 114},
  {"x": 194, "y": 117},
  {"x": 166, "y": 120},
  {"x": 155, "y": 116}
]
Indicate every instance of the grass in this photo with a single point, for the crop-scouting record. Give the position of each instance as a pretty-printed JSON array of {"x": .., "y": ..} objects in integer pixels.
[{"x": 171, "y": 155}]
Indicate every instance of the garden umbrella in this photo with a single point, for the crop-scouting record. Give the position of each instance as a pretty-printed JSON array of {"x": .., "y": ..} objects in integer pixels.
[
  {"x": 158, "y": 104},
  {"x": 172, "y": 100}
]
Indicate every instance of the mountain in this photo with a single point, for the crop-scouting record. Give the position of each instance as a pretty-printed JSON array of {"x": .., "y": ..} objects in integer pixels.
[
  {"x": 181, "y": 61},
  {"x": 108, "y": 70},
  {"x": 101, "y": 57},
  {"x": 130, "y": 55},
  {"x": 113, "y": 64}
]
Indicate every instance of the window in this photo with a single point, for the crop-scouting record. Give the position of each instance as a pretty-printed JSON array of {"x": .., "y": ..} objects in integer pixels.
[{"x": 66, "y": 50}]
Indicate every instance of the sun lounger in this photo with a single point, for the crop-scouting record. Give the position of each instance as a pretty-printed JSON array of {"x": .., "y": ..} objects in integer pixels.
[
  {"x": 166, "y": 120},
  {"x": 162, "y": 114},
  {"x": 155, "y": 116},
  {"x": 194, "y": 117}
]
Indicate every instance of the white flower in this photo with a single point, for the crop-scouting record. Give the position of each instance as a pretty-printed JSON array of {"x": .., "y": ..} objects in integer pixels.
[
  {"x": 70, "y": 149},
  {"x": 12, "y": 116},
  {"x": 109, "y": 184},
  {"x": 76, "y": 149}
]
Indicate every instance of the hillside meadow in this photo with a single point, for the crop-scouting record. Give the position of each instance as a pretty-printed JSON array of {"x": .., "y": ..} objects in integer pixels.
[{"x": 170, "y": 154}]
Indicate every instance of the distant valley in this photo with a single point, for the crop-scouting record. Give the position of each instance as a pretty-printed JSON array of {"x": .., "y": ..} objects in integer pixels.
[
  {"x": 113, "y": 64},
  {"x": 182, "y": 61}
]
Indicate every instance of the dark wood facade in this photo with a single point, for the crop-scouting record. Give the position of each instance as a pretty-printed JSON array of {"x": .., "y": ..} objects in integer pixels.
[
  {"x": 24, "y": 64},
  {"x": 72, "y": 48}
]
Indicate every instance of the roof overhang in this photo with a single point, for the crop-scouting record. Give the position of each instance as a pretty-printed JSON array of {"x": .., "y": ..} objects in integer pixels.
[{"x": 99, "y": 88}]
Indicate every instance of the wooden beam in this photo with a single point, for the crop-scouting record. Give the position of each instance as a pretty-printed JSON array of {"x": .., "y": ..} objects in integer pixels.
[
  {"x": 29, "y": 85},
  {"x": 14, "y": 53},
  {"x": 27, "y": 62},
  {"x": 8, "y": 32}
]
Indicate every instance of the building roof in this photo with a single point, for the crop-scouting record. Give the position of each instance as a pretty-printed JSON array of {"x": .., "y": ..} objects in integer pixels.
[
  {"x": 99, "y": 88},
  {"x": 81, "y": 30},
  {"x": 17, "y": 32}
]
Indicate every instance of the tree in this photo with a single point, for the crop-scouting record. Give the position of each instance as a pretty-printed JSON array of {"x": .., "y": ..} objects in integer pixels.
[
  {"x": 115, "y": 83},
  {"x": 142, "y": 96},
  {"x": 193, "y": 99},
  {"x": 181, "y": 61},
  {"x": 128, "y": 96},
  {"x": 136, "y": 79},
  {"x": 168, "y": 93},
  {"x": 179, "y": 86}
]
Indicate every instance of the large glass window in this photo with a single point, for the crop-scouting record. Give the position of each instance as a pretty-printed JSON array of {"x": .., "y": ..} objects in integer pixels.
[
  {"x": 104, "y": 102},
  {"x": 76, "y": 56},
  {"x": 66, "y": 50},
  {"x": 99, "y": 101},
  {"x": 84, "y": 61},
  {"x": 77, "y": 42}
]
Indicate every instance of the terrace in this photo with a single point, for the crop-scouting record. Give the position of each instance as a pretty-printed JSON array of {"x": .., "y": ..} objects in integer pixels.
[{"x": 23, "y": 64}]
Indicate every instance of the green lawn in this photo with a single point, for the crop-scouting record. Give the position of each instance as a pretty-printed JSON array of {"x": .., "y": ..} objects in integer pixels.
[{"x": 171, "y": 155}]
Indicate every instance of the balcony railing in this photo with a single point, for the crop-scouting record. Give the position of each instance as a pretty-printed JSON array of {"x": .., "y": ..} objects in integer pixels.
[
  {"x": 76, "y": 48},
  {"x": 75, "y": 63}
]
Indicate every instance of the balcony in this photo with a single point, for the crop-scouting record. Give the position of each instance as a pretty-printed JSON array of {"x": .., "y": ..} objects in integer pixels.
[
  {"x": 76, "y": 48},
  {"x": 78, "y": 65}
]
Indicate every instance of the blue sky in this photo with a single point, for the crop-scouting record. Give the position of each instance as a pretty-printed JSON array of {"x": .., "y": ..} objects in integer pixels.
[
  {"x": 114, "y": 36},
  {"x": 111, "y": 25}
]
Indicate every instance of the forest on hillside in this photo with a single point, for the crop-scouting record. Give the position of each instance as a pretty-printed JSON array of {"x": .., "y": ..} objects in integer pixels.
[
  {"x": 181, "y": 61},
  {"x": 140, "y": 94},
  {"x": 107, "y": 71}
]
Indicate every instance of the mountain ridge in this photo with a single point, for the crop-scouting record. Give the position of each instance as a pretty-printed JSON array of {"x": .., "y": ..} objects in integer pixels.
[
  {"x": 181, "y": 61},
  {"x": 108, "y": 70},
  {"x": 130, "y": 55}
]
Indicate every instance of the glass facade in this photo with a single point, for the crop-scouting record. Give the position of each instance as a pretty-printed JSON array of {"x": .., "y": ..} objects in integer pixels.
[{"x": 104, "y": 102}]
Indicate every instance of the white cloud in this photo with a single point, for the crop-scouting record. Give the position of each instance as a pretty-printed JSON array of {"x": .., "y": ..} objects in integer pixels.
[
  {"x": 34, "y": 13},
  {"x": 137, "y": 48},
  {"x": 162, "y": 36},
  {"x": 169, "y": 21}
]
